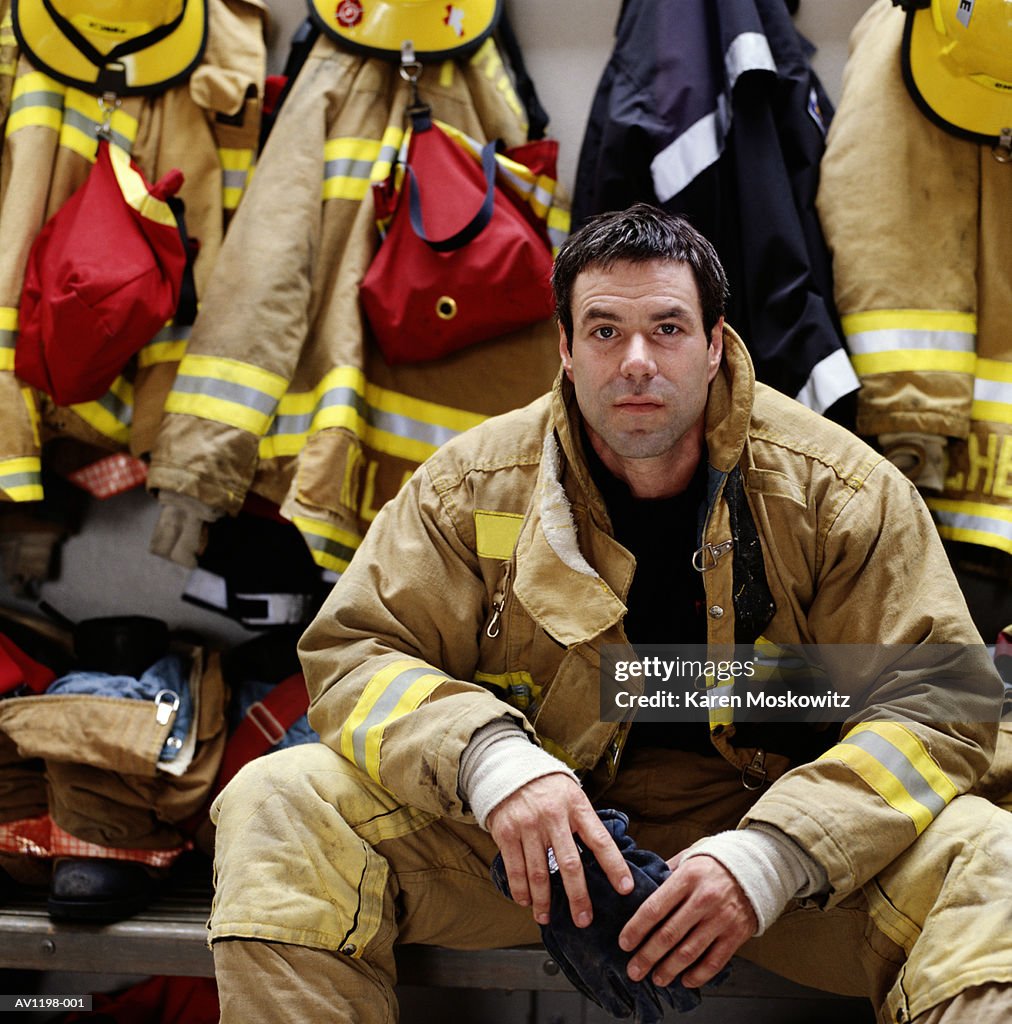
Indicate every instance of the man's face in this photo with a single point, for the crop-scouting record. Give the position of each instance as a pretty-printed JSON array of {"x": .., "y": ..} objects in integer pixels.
[{"x": 641, "y": 361}]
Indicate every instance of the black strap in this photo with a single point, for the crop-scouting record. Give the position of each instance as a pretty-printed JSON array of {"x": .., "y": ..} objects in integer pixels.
[
  {"x": 186, "y": 308},
  {"x": 477, "y": 223},
  {"x": 303, "y": 40},
  {"x": 537, "y": 116},
  {"x": 128, "y": 46}
]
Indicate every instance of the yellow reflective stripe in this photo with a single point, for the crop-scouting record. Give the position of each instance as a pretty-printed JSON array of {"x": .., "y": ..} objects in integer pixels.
[
  {"x": 40, "y": 101},
  {"x": 226, "y": 391},
  {"x": 896, "y": 764},
  {"x": 536, "y": 191},
  {"x": 351, "y": 164},
  {"x": 21, "y": 478},
  {"x": 942, "y": 320},
  {"x": 496, "y": 533},
  {"x": 386, "y": 421},
  {"x": 446, "y": 70},
  {"x": 82, "y": 116},
  {"x": 112, "y": 414},
  {"x": 518, "y": 688},
  {"x": 973, "y": 522},
  {"x": 396, "y": 690},
  {"x": 135, "y": 191},
  {"x": 901, "y": 360},
  {"x": 331, "y": 547},
  {"x": 32, "y": 411},
  {"x": 992, "y": 392},
  {"x": 495, "y": 71},
  {"x": 897, "y": 340},
  {"x": 167, "y": 346},
  {"x": 235, "y": 168},
  {"x": 8, "y": 336}
]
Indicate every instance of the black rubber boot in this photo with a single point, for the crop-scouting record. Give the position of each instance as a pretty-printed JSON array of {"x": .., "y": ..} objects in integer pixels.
[{"x": 96, "y": 889}]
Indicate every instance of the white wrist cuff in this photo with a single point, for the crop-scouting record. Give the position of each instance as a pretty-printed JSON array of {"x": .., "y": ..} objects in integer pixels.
[
  {"x": 499, "y": 760},
  {"x": 768, "y": 865}
]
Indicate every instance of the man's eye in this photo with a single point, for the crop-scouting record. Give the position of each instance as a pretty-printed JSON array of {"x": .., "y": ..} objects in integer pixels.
[
  {"x": 605, "y": 333},
  {"x": 669, "y": 328}
]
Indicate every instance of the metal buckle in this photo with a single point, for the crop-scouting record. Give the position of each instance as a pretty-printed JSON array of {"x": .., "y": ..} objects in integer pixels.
[{"x": 705, "y": 558}]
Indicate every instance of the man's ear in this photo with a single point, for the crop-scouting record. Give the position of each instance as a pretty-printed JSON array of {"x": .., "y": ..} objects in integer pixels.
[
  {"x": 564, "y": 353},
  {"x": 716, "y": 350}
]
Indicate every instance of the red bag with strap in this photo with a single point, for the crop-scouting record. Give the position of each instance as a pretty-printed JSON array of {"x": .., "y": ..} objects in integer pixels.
[
  {"x": 460, "y": 263},
  {"x": 104, "y": 276}
]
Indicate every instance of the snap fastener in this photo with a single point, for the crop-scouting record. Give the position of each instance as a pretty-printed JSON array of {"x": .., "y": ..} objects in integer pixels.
[
  {"x": 349, "y": 950},
  {"x": 716, "y": 612}
]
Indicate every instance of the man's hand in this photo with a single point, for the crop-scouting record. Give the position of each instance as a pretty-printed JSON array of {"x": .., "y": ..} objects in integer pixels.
[
  {"x": 546, "y": 813},
  {"x": 695, "y": 922}
]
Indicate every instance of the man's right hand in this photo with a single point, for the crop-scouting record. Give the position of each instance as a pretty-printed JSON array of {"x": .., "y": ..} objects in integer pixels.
[{"x": 543, "y": 814}]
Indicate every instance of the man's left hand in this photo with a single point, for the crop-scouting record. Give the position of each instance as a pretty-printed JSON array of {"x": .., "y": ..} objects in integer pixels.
[{"x": 695, "y": 922}]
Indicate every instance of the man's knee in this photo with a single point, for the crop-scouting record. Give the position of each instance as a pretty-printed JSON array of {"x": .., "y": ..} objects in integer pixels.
[{"x": 289, "y": 865}]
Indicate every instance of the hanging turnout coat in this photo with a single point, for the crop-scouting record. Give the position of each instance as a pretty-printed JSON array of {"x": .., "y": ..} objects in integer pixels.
[
  {"x": 710, "y": 109},
  {"x": 918, "y": 223},
  {"x": 206, "y": 126},
  {"x": 282, "y": 392}
]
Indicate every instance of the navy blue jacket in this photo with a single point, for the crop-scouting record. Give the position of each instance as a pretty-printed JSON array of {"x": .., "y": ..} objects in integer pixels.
[{"x": 710, "y": 109}]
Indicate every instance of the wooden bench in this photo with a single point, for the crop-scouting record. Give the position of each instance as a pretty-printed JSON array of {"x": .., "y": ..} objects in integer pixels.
[{"x": 170, "y": 938}]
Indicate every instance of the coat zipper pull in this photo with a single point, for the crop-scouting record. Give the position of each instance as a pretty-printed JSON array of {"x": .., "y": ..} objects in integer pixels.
[
  {"x": 498, "y": 603},
  {"x": 753, "y": 775}
]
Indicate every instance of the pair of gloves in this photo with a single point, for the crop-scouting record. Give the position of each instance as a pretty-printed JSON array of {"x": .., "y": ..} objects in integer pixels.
[{"x": 590, "y": 957}]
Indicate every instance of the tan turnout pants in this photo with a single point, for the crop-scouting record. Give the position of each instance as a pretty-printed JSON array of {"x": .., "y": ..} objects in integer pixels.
[{"x": 326, "y": 871}]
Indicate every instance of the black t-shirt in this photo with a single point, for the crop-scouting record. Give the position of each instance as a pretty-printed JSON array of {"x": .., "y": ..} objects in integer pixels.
[{"x": 666, "y": 601}]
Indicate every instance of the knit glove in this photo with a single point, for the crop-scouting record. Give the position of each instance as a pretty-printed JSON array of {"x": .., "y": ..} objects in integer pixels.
[
  {"x": 919, "y": 457},
  {"x": 590, "y": 957},
  {"x": 181, "y": 531}
]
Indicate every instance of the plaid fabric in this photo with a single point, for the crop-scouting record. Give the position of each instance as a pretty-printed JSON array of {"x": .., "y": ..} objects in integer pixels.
[
  {"x": 63, "y": 844},
  {"x": 26, "y": 836},
  {"x": 42, "y": 837},
  {"x": 110, "y": 476}
]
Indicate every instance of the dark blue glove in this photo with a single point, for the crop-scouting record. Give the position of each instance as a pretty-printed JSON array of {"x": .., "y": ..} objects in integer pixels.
[{"x": 590, "y": 957}]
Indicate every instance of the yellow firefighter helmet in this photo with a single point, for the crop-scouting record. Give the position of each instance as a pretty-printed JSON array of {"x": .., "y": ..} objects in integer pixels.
[
  {"x": 436, "y": 29},
  {"x": 121, "y": 46},
  {"x": 957, "y": 57}
]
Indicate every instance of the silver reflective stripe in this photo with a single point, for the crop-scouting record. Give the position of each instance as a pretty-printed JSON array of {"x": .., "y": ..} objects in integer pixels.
[
  {"x": 896, "y": 762},
  {"x": 983, "y": 390},
  {"x": 11, "y": 480},
  {"x": 226, "y": 390},
  {"x": 328, "y": 546},
  {"x": 395, "y": 689},
  {"x": 345, "y": 167},
  {"x": 888, "y": 340},
  {"x": 831, "y": 378},
  {"x": 683, "y": 159},
  {"x": 89, "y": 125},
  {"x": 116, "y": 407},
  {"x": 389, "y": 422},
  {"x": 233, "y": 179},
  {"x": 172, "y": 332},
  {"x": 8, "y": 339},
  {"x": 689, "y": 155},
  {"x": 37, "y": 99},
  {"x": 748, "y": 52},
  {"x": 981, "y": 524}
]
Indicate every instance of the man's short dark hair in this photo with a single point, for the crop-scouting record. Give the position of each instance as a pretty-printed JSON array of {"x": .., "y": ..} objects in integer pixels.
[{"x": 641, "y": 234}]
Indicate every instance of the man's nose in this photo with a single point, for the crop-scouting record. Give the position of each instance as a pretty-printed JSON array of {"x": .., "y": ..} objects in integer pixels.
[{"x": 637, "y": 359}]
